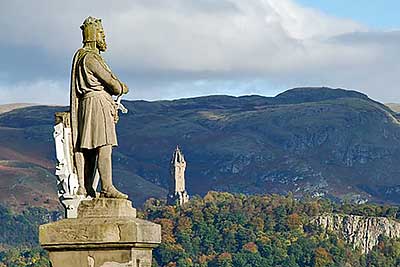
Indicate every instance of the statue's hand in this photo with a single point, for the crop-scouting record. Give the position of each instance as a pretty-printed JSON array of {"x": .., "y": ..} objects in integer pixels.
[{"x": 125, "y": 88}]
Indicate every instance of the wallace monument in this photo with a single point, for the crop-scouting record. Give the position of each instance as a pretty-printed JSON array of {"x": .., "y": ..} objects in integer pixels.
[{"x": 101, "y": 228}]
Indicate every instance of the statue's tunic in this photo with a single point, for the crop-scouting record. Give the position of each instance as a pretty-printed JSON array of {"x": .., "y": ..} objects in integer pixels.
[{"x": 93, "y": 111}]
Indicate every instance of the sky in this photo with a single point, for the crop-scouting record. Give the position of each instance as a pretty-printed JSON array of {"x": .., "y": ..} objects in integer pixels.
[
  {"x": 186, "y": 48},
  {"x": 378, "y": 14}
]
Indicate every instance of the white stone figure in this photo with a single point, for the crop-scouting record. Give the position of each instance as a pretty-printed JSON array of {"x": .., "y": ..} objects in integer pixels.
[
  {"x": 67, "y": 185},
  {"x": 177, "y": 191}
]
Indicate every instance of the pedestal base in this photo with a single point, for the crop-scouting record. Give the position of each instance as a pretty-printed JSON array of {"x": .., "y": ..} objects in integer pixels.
[
  {"x": 105, "y": 234},
  {"x": 97, "y": 257}
]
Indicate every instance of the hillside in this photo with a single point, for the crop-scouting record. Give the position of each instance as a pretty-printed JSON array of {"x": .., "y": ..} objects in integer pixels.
[
  {"x": 394, "y": 106},
  {"x": 317, "y": 141},
  {"x": 9, "y": 107}
]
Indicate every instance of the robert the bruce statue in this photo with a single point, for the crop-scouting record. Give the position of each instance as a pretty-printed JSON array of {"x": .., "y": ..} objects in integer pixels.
[{"x": 94, "y": 112}]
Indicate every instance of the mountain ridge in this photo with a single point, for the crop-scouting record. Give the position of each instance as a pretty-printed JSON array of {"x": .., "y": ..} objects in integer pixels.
[{"x": 317, "y": 141}]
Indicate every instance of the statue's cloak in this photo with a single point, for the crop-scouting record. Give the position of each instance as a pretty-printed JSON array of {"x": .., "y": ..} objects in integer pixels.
[
  {"x": 74, "y": 101},
  {"x": 77, "y": 158}
]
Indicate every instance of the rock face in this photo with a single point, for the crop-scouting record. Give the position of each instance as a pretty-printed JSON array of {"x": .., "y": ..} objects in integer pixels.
[{"x": 359, "y": 231}]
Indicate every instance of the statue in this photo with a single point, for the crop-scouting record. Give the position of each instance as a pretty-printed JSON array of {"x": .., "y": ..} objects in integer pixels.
[
  {"x": 100, "y": 229},
  {"x": 94, "y": 112},
  {"x": 85, "y": 136}
]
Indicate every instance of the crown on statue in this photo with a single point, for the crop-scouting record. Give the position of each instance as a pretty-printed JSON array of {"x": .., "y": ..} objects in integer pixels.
[{"x": 89, "y": 29}]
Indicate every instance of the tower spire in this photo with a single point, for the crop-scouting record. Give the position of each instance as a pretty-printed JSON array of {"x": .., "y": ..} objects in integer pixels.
[{"x": 177, "y": 191}]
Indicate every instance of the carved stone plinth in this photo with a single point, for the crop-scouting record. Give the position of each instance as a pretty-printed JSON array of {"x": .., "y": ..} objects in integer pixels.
[{"x": 105, "y": 234}]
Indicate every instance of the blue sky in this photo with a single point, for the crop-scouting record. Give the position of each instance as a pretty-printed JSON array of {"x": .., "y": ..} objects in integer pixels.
[
  {"x": 383, "y": 14},
  {"x": 186, "y": 48}
]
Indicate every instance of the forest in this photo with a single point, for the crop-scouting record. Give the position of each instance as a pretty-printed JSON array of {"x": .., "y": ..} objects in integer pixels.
[{"x": 223, "y": 230}]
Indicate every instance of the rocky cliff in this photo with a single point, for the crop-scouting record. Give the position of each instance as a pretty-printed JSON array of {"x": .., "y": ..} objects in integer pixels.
[{"x": 359, "y": 231}]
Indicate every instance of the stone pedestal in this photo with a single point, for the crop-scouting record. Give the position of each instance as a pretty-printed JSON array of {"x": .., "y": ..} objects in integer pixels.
[{"x": 105, "y": 234}]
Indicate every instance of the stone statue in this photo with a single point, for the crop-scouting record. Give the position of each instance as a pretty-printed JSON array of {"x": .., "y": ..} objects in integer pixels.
[
  {"x": 97, "y": 231},
  {"x": 94, "y": 112},
  {"x": 85, "y": 136}
]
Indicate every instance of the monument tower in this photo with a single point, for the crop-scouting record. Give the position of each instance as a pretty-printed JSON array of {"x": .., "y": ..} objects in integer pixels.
[{"x": 177, "y": 192}]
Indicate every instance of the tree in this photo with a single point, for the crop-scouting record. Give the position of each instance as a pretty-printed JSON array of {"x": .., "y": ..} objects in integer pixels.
[{"x": 322, "y": 257}]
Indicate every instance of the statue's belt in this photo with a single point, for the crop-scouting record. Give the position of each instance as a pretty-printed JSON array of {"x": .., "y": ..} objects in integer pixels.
[
  {"x": 101, "y": 93},
  {"x": 96, "y": 94},
  {"x": 104, "y": 95}
]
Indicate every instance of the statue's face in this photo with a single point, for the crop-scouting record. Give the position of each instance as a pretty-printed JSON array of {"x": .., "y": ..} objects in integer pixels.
[{"x": 101, "y": 40}]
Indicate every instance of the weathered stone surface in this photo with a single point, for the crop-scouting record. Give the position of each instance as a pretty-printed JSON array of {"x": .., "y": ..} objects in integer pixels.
[
  {"x": 101, "y": 220},
  {"x": 92, "y": 231},
  {"x": 105, "y": 234},
  {"x": 95, "y": 258},
  {"x": 359, "y": 231},
  {"x": 103, "y": 207}
]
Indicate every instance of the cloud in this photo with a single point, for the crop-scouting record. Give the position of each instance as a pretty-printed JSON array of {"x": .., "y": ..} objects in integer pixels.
[
  {"x": 182, "y": 48},
  {"x": 306, "y": 23},
  {"x": 41, "y": 92}
]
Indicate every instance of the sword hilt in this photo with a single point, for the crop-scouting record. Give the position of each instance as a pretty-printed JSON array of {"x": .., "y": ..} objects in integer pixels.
[{"x": 120, "y": 106}]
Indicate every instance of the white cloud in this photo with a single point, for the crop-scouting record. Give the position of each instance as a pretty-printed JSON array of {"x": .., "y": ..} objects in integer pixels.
[
  {"x": 41, "y": 91},
  {"x": 306, "y": 23},
  {"x": 159, "y": 47}
]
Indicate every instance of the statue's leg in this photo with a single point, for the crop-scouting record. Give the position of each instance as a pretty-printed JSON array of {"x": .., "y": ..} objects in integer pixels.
[
  {"x": 104, "y": 165},
  {"x": 79, "y": 164},
  {"x": 90, "y": 170}
]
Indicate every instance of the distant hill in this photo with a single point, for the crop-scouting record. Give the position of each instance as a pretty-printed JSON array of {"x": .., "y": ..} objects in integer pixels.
[
  {"x": 318, "y": 141},
  {"x": 9, "y": 107},
  {"x": 394, "y": 106}
]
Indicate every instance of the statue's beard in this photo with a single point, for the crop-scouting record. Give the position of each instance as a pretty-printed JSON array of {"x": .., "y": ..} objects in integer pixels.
[{"x": 101, "y": 45}]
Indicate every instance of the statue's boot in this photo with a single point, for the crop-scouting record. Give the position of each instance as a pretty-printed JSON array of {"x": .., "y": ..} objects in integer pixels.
[
  {"x": 105, "y": 171},
  {"x": 81, "y": 191},
  {"x": 91, "y": 192},
  {"x": 112, "y": 192}
]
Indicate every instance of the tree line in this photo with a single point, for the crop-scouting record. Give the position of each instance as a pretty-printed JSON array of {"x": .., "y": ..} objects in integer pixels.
[{"x": 226, "y": 230}]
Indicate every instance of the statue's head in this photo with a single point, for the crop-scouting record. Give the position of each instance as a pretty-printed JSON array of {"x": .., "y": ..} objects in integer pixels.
[{"x": 92, "y": 31}]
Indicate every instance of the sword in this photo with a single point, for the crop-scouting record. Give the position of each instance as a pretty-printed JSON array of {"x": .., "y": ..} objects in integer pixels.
[{"x": 120, "y": 106}]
